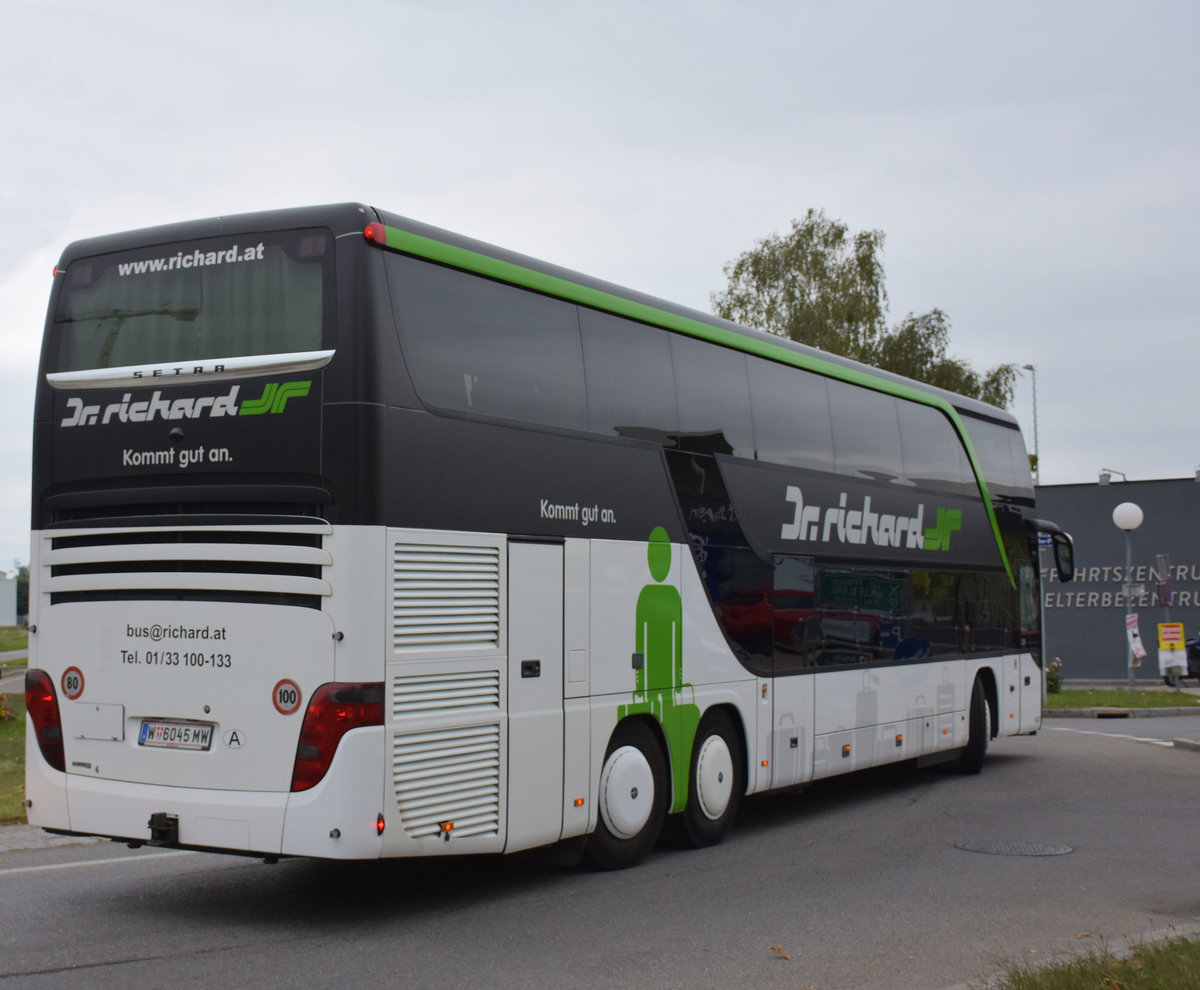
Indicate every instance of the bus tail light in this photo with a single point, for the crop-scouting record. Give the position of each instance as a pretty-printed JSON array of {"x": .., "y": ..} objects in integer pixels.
[
  {"x": 376, "y": 233},
  {"x": 41, "y": 701},
  {"x": 333, "y": 710}
]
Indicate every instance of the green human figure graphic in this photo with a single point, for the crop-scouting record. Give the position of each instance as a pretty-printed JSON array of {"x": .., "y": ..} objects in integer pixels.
[
  {"x": 659, "y": 688},
  {"x": 659, "y": 619}
]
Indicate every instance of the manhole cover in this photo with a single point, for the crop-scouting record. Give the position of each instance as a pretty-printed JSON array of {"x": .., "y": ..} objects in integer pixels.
[{"x": 1014, "y": 847}]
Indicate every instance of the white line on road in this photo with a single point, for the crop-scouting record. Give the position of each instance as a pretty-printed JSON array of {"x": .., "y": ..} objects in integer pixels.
[
  {"x": 1113, "y": 735},
  {"x": 96, "y": 862}
]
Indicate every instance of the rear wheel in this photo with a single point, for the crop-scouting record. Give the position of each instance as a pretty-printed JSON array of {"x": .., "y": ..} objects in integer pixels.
[
  {"x": 716, "y": 781},
  {"x": 971, "y": 760},
  {"x": 632, "y": 800}
]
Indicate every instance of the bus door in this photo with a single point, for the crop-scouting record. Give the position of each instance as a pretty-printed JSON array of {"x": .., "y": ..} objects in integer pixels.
[{"x": 535, "y": 694}]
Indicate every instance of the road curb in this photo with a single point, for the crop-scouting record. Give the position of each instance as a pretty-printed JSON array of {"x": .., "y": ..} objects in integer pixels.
[{"x": 1103, "y": 712}]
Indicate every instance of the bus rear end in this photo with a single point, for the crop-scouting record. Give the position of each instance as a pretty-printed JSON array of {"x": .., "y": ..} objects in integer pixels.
[{"x": 184, "y": 684}]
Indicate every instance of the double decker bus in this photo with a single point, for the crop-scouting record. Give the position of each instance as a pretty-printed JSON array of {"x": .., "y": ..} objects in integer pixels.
[{"x": 355, "y": 538}]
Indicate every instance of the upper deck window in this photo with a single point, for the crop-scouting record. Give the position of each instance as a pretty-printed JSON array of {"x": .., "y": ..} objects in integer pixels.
[
  {"x": 1002, "y": 457},
  {"x": 220, "y": 297},
  {"x": 487, "y": 348}
]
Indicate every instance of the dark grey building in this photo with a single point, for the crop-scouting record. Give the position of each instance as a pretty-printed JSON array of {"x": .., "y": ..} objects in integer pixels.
[{"x": 1085, "y": 619}]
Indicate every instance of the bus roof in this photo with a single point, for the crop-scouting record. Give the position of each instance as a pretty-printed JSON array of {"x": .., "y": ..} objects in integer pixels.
[{"x": 349, "y": 218}]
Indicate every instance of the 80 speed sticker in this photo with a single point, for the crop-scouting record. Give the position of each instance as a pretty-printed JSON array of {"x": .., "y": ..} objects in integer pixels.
[{"x": 72, "y": 682}]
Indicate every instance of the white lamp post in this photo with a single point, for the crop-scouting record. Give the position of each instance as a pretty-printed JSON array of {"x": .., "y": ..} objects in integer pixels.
[{"x": 1128, "y": 516}]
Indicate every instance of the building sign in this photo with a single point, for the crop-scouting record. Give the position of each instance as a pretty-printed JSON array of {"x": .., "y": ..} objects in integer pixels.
[{"x": 1084, "y": 620}]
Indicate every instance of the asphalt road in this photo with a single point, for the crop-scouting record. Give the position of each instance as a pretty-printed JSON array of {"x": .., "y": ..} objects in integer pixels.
[{"x": 862, "y": 882}]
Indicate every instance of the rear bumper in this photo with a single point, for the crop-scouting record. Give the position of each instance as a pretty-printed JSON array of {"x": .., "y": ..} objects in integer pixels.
[{"x": 337, "y": 819}]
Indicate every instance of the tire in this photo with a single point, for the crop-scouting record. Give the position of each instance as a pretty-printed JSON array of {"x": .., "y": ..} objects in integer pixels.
[
  {"x": 973, "y": 753},
  {"x": 716, "y": 781},
  {"x": 632, "y": 802}
]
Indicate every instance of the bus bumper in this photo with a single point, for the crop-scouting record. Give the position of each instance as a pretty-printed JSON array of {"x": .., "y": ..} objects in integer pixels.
[{"x": 339, "y": 818}]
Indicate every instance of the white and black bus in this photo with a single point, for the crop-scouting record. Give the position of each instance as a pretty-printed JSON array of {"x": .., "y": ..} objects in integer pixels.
[{"x": 355, "y": 538}]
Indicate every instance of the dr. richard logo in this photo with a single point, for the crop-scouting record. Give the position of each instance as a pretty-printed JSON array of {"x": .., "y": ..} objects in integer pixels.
[
  {"x": 147, "y": 410},
  {"x": 273, "y": 400},
  {"x": 858, "y": 526}
]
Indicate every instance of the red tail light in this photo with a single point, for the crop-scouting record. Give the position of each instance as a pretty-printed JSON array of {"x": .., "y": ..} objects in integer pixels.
[
  {"x": 333, "y": 710},
  {"x": 41, "y": 702},
  {"x": 376, "y": 232}
]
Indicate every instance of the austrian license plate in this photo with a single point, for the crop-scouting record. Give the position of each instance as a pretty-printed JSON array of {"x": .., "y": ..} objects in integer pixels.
[{"x": 165, "y": 734}]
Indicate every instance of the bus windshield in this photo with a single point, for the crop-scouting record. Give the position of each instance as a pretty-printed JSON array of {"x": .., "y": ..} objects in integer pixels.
[{"x": 214, "y": 298}]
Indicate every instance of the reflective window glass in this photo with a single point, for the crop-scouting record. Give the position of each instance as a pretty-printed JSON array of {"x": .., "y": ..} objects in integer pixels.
[
  {"x": 866, "y": 433},
  {"x": 791, "y": 415},
  {"x": 627, "y": 368},
  {"x": 933, "y": 455},
  {"x": 487, "y": 348},
  {"x": 714, "y": 398}
]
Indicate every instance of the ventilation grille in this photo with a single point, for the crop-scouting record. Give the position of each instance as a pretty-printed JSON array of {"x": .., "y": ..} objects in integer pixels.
[
  {"x": 442, "y": 694},
  {"x": 273, "y": 564},
  {"x": 445, "y": 596},
  {"x": 448, "y": 781}
]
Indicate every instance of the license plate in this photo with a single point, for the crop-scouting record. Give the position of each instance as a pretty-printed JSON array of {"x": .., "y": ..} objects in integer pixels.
[{"x": 165, "y": 734}]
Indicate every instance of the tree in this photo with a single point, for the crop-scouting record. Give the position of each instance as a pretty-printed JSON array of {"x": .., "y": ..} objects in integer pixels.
[{"x": 822, "y": 286}]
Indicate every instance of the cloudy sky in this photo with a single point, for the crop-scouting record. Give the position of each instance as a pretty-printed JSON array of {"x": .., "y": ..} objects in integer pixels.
[{"x": 1034, "y": 165}]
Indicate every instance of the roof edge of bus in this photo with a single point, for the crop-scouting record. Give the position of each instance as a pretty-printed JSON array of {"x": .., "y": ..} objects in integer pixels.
[
  {"x": 341, "y": 217},
  {"x": 347, "y": 216}
]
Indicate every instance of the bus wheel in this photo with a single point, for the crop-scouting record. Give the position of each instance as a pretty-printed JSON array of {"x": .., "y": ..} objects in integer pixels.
[
  {"x": 980, "y": 731},
  {"x": 633, "y": 798},
  {"x": 716, "y": 781}
]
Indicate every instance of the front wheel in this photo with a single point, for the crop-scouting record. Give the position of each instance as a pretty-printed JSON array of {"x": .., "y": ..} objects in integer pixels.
[
  {"x": 716, "y": 781},
  {"x": 632, "y": 800}
]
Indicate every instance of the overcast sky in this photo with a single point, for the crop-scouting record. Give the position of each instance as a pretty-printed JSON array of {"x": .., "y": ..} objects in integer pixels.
[{"x": 1034, "y": 165}]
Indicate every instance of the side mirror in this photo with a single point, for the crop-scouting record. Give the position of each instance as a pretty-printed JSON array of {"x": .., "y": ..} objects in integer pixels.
[
  {"x": 1064, "y": 555},
  {"x": 1060, "y": 543}
]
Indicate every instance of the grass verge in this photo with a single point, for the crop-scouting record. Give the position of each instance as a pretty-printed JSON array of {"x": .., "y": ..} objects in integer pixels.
[
  {"x": 12, "y": 763},
  {"x": 13, "y": 638},
  {"x": 1111, "y": 698},
  {"x": 1174, "y": 965}
]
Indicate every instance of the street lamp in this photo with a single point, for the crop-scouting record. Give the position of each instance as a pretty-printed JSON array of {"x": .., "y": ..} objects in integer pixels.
[
  {"x": 1037, "y": 461},
  {"x": 1128, "y": 516}
]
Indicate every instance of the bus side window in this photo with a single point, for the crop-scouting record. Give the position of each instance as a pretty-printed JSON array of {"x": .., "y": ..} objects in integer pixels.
[
  {"x": 791, "y": 416},
  {"x": 490, "y": 349},
  {"x": 714, "y": 398},
  {"x": 933, "y": 453},
  {"x": 627, "y": 368},
  {"x": 866, "y": 433}
]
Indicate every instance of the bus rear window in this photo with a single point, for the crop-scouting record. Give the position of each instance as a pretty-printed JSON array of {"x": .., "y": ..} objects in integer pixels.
[{"x": 220, "y": 297}]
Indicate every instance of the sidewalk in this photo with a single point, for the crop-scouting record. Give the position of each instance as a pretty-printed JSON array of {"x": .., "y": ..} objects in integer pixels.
[
  {"x": 13, "y": 679},
  {"x": 14, "y": 838}
]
